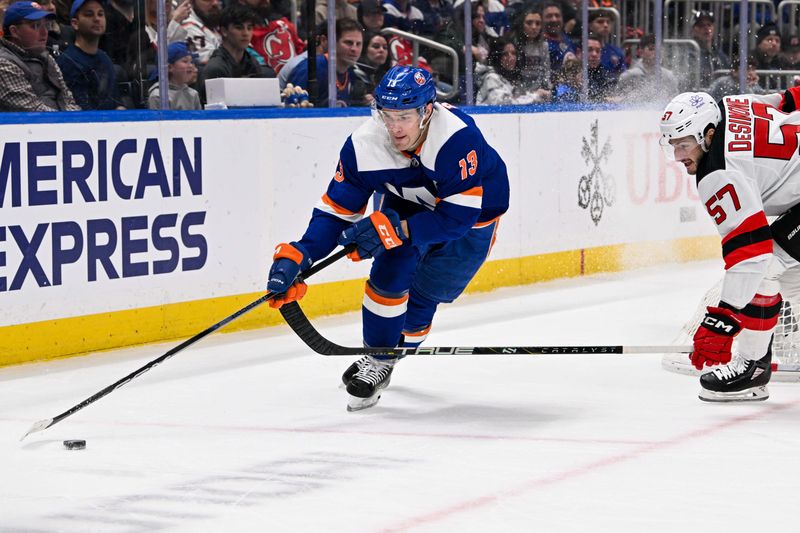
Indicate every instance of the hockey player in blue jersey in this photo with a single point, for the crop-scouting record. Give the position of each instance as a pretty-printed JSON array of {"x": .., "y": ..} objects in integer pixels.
[{"x": 442, "y": 190}]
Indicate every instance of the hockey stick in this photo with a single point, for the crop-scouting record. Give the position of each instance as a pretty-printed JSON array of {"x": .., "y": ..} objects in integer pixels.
[
  {"x": 298, "y": 321},
  {"x": 47, "y": 422}
]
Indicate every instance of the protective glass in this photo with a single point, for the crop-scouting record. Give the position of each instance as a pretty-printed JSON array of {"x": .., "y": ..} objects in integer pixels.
[
  {"x": 676, "y": 151},
  {"x": 403, "y": 118}
]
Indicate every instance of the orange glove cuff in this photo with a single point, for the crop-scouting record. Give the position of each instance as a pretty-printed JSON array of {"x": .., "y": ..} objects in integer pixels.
[
  {"x": 287, "y": 251},
  {"x": 385, "y": 230},
  {"x": 295, "y": 293}
]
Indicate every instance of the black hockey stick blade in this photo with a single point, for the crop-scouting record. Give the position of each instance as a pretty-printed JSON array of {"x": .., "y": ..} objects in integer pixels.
[
  {"x": 304, "y": 329},
  {"x": 41, "y": 425}
]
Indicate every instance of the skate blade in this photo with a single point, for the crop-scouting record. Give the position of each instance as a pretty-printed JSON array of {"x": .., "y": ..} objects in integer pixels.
[
  {"x": 755, "y": 394},
  {"x": 679, "y": 365},
  {"x": 359, "y": 404}
]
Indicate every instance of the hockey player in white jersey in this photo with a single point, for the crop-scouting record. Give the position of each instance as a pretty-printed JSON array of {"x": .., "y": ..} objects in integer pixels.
[{"x": 744, "y": 152}]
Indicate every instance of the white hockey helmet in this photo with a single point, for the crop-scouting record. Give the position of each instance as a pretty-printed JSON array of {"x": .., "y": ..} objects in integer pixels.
[{"x": 688, "y": 114}]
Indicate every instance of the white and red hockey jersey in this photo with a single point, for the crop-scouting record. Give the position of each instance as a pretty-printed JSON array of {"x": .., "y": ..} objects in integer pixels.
[
  {"x": 752, "y": 171},
  {"x": 277, "y": 42}
]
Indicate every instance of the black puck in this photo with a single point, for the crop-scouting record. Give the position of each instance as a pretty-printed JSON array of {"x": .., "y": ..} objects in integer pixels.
[{"x": 75, "y": 444}]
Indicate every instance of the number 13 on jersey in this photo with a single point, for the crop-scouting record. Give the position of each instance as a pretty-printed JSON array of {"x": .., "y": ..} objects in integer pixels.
[{"x": 469, "y": 165}]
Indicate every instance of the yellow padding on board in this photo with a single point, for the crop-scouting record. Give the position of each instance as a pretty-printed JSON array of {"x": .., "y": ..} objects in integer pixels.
[
  {"x": 78, "y": 335},
  {"x": 90, "y": 333}
]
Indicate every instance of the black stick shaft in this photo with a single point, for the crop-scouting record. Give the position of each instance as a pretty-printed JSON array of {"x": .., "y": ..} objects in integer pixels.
[
  {"x": 188, "y": 342},
  {"x": 298, "y": 321}
]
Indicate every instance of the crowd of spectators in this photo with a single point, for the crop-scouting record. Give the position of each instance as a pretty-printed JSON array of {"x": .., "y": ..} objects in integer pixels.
[{"x": 102, "y": 54}]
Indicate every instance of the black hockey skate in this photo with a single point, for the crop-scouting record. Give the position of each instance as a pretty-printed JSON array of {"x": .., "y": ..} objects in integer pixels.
[
  {"x": 366, "y": 384},
  {"x": 353, "y": 369},
  {"x": 742, "y": 380}
]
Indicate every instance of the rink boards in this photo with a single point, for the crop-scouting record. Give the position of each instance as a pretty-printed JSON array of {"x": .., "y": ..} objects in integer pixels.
[{"x": 118, "y": 233}]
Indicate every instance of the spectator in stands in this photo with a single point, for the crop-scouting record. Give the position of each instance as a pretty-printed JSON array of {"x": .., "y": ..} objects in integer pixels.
[
  {"x": 710, "y": 58},
  {"x": 175, "y": 18},
  {"x": 30, "y": 79},
  {"x": 143, "y": 47},
  {"x": 181, "y": 72},
  {"x": 121, "y": 24},
  {"x": 571, "y": 14},
  {"x": 727, "y": 85},
  {"x": 482, "y": 34},
  {"x": 375, "y": 60},
  {"x": 602, "y": 82},
  {"x": 231, "y": 59},
  {"x": 533, "y": 53},
  {"x": 453, "y": 36},
  {"x": 767, "y": 53},
  {"x": 201, "y": 27},
  {"x": 499, "y": 81},
  {"x": 571, "y": 18},
  {"x": 641, "y": 81},
  {"x": 569, "y": 82},
  {"x": 342, "y": 9},
  {"x": 437, "y": 14},
  {"x": 371, "y": 15},
  {"x": 561, "y": 47},
  {"x": 494, "y": 14},
  {"x": 612, "y": 57},
  {"x": 275, "y": 38},
  {"x": 57, "y": 41},
  {"x": 88, "y": 71},
  {"x": 61, "y": 9},
  {"x": 321, "y": 47},
  {"x": 349, "y": 42},
  {"x": 790, "y": 57},
  {"x": 401, "y": 14},
  {"x": 790, "y": 51}
]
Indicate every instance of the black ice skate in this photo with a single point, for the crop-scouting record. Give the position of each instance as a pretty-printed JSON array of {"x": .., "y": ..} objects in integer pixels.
[
  {"x": 353, "y": 369},
  {"x": 742, "y": 380},
  {"x": 367, "y": 383}
]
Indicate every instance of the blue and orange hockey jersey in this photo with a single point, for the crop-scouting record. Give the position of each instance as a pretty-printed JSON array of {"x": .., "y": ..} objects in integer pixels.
[{"x": 451, "y": 183}]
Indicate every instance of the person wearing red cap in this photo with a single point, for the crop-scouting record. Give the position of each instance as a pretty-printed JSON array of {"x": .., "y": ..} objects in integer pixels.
[{"x": 30, "y": 79}]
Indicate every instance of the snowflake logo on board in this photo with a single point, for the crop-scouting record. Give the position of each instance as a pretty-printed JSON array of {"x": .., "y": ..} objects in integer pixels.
[{"x": 597, "y": 189}]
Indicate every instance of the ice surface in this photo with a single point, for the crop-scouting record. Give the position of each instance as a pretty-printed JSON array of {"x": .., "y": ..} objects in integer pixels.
[{"x": 248, "y": 432}]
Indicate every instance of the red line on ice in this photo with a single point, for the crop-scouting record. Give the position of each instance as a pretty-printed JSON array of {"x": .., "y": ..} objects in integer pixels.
[{"x": 644, "y": 449}]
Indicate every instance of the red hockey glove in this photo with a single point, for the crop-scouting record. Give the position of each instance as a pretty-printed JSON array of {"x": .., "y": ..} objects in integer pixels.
[{"x": 714, "y": 337}]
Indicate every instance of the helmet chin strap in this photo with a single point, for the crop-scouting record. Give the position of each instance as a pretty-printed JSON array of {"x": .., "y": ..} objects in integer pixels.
[
  {"x": 705, "y": 147},
  {"x": 423, "y": 127}
]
